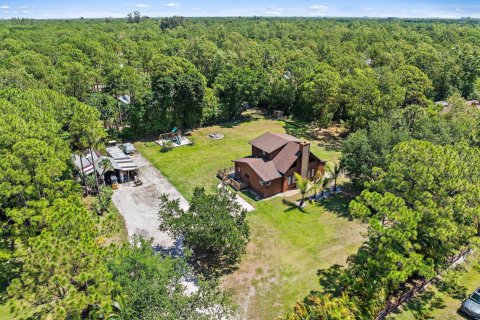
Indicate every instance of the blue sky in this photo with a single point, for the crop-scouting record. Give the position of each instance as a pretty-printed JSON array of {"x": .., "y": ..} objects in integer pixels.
[{"x": 308, "y": 8}]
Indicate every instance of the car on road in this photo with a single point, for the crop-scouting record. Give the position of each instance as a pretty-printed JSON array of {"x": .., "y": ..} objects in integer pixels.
[{"x": 471, "y": 305}]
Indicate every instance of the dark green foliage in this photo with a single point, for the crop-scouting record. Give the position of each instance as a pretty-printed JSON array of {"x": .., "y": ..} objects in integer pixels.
[
  {"x": 320, "y": 70},
  {"x": 214, "y": 228},
  {"x": 166, "y": 146},
  {"x": 106, "y": 105},
  {"x": 367, "y": 149},
  {"x": 49, "y": 245},
  {"x": 176, "y": 98},
  {"x": 171, "y": 22},
  {"x": 104, "y": 200},
  {"x": 153, "y": 287},
  {"x": 134, "y": 17}
]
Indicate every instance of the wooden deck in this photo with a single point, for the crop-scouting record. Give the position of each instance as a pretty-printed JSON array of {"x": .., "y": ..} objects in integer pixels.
[{"x": 227, "y": 175}]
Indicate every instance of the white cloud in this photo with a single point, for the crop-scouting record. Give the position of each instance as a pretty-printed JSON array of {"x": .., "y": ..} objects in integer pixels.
[
  {"x": 172, "y": 5},
  {"x": 274, "y": 11},
  {"x": 368, "y": 9},
  {"x": 4, "y": 7},
  {"x": 142, "y": 5},
  {"x": 318, "y": 8},
  {"x": 197, "y": 9}
]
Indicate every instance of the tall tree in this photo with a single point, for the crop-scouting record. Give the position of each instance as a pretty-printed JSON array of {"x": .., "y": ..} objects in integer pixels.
[{"x": 214, "y": 228}]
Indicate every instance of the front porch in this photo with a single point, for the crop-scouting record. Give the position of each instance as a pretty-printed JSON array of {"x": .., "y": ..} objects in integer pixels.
[{"x": 228, "y": 177}]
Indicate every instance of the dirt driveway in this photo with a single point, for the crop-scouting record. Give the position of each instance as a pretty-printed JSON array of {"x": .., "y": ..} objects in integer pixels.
[{"x": 139, "y": 204}]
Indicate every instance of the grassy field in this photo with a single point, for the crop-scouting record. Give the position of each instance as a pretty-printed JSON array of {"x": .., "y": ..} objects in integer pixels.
[
  {"x": 437, "y": 302},
  {"x": 197, "y": 165},
  {"x": 287, "y": 247},
  {"x": 286, "y": 250}
]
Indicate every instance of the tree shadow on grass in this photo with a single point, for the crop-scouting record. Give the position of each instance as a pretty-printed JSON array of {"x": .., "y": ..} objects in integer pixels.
[
  {"x": 337, "y": 204},
  {"x": 299, "y": 129},
  {"x": 330, "y": 141},
  {"x": 329, "y": 279},
  {"x": 248, "y": 117},
  {"x": 292, "y": 205},
  {"x": 421, "y": 306}
]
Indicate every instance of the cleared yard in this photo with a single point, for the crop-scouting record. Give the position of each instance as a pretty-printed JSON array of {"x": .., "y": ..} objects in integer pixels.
[
  {"x": 196, "y": 165},
  {"x": 287, "y": 246},
  {"x": 286, "y": 250}
]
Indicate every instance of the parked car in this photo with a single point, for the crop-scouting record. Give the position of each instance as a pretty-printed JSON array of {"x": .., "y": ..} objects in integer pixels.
[
  {"x": 114, "y": 180},
  {"x": 471, "y": 305},
  {"x": 128, "y": 148}
]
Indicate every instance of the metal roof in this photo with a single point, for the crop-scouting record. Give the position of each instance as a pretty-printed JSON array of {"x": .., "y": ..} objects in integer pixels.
[{"x": 116, "y": 153}]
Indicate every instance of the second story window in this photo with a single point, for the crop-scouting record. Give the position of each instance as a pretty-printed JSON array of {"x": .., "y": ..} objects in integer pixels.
[{"x": 290, "y": 180}]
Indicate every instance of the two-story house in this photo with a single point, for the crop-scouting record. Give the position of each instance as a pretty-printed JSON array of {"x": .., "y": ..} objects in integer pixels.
[{"x": 274, "y": 160}]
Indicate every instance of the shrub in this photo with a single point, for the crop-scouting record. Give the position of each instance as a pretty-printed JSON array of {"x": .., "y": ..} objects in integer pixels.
[{"x": 166, "y": 146}]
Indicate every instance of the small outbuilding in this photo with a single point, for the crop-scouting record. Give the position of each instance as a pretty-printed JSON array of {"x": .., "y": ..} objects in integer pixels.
[{"x": 125, "y": 168}]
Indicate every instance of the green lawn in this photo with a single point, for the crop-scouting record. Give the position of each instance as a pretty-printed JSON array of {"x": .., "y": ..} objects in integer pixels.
[
  {"x": 197, "y": 165},
  {"x": 437, "y": 303},
  {"x": 287, "y": 247}
]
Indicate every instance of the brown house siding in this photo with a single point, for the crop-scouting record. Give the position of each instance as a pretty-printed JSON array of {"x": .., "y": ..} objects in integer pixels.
[
  {"x": 266, "y": 191},
  {"x": 303, "y": 165}
]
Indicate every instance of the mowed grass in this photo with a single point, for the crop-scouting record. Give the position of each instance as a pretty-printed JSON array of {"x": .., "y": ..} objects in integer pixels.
[
  {"x": 190, "y": 166},
  {"x": 287, "y": 247},
  {"x": 437, "y": 304}
]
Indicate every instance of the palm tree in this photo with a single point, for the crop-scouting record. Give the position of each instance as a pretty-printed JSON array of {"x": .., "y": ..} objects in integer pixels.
[
  {"x": 320, "y": 182},
  {"x": 107, "y": 166},
  {"x": 94, "y": 170},
  {"x": 335, "y": 173},
  {"x": 303, "y": 185}
]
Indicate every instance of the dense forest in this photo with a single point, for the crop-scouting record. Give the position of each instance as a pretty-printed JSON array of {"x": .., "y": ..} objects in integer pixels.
[
  {"x": 414, "y": 168},
  {"x": 189, "y": 72}
]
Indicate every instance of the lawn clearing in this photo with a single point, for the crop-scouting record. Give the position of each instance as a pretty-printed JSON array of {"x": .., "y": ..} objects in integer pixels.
[
  {"x": 286, "y": 247},
  {"x": 190, "y": 166}
]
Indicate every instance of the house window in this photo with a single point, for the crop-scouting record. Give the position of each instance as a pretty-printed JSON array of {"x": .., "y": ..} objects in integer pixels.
[
  {"x": 268, "y": 183},
  {"x": 311, "y": 173},
  {"x": 238, "y": 169},
  {"x": 264, "y": 153},
  {"x": 261, "y": 182},
  {"x": 247, "y": 176},
  {"x": 290, "y": 180}
]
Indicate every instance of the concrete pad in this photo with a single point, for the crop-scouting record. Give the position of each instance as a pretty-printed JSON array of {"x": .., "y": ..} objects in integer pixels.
[{"x": 139, "y": 205}]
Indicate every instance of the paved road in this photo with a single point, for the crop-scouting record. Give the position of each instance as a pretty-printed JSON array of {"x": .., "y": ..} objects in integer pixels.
[{"x": 139, "y": 204}]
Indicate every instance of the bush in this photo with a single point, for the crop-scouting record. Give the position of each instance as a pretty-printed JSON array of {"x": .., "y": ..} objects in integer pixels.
[
  {"x": 104, "y": 200},
  {"x": 166, "y": 146}
]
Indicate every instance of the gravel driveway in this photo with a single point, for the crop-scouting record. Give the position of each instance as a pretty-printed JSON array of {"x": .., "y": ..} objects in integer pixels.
[{"x": 139, "y": 204}]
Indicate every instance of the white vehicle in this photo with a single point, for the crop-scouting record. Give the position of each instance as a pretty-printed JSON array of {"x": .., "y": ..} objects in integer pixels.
[{"x": 128, "y": 148}]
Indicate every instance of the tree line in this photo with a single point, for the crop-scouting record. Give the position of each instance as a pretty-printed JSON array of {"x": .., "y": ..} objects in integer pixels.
[
  {"x": 415, "y": 167},
  {"x": 186, "y": 72}
]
